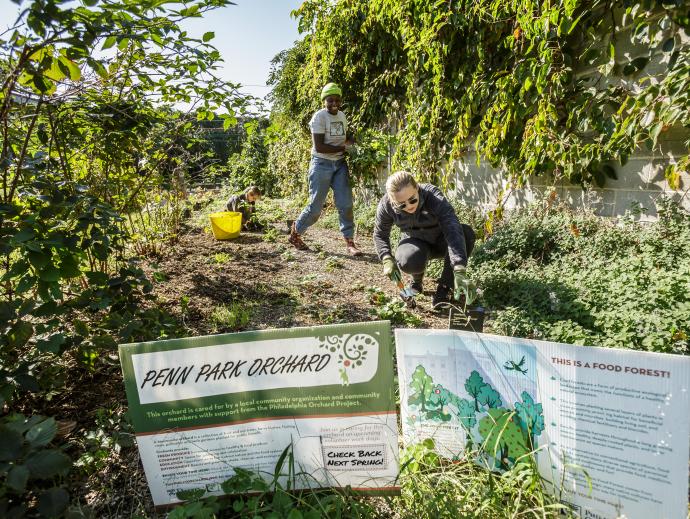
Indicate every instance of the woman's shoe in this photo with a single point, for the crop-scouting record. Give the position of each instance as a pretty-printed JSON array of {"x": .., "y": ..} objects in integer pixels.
[
  {"x": 440, "y": 296},
  {"x": 352, "y": 248},
  {"x": 296, "y": 240}
]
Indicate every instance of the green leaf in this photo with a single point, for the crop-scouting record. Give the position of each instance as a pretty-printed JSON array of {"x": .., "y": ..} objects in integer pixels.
[
  {"x": 48, "y": 463},
  {"x": 11, "y": 442},
  {"x": 19, "y": 334},
  {"x": 52, "y": 344},
  {"x": 42, "y": 433},
  {"x": 73, "y": 70},
  {"x": 7, "y": 311},
  {"x": 69, "y": 267},
  {"x": 49, "y": 274},
  {"x": 17, "y": 478},
  {"x": 24, "y": 235},
  {"x": 123, "y": 43},
  {"x": 191, "y": 494},
  {"x": 38, "y": 259},
  {"x": 98, "y": 67},
  {"x": 648, "y": 119},
  {"x": 25, "y": 283},
  {"x": 208, "y": 36},
  {"x": 53, "y": 502},
  {"x": 109, "y": 42}
]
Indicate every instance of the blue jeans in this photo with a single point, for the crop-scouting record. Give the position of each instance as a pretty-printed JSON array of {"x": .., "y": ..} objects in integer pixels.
[{"x": 323, "y": 175}]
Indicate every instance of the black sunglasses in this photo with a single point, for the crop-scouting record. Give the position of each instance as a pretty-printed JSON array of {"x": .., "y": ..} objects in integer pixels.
[{"x": 401, "y": 205}]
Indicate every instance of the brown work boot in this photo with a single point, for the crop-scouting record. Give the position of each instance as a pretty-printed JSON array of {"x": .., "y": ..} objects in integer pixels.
[
  {"x": 296, "y": 240},
  {"x": 352, "y": 248}
]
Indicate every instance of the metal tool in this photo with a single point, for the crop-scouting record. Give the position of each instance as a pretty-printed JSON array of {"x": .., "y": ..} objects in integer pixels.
[{"x": 406, "y": 294}]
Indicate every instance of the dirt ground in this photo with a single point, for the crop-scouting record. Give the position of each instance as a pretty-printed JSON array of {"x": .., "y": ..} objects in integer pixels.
[{"x": 277, "y": 285}]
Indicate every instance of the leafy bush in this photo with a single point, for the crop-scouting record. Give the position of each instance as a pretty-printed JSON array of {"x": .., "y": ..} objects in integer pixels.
[
  {"x": 573, "y": 277},
  {"x": 250, "y": 166}
]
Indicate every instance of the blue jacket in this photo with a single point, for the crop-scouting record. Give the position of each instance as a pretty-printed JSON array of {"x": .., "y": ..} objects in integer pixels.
[{"x": 434, "y": 219}]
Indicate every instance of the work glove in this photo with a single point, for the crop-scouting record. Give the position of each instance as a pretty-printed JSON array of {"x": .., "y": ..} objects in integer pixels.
[
  {"x": 463, "y": 285},
  {"x": 390, "y": 269}
]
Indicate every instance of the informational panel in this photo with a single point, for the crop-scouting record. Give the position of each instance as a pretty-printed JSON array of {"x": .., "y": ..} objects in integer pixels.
[
  {"x": 609, "y": 428},
  {"x": 206, "y": 405}
]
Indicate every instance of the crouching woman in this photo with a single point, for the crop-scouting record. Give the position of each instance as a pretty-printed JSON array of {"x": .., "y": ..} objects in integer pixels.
[{"x": 429, "y": 229}]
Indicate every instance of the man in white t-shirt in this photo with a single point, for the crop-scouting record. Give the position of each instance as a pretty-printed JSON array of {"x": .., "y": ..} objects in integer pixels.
[{"x": 327, "y": 170}]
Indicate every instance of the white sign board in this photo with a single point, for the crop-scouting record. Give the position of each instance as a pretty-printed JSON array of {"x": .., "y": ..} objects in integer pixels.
[{"x": 618, "y": 419}]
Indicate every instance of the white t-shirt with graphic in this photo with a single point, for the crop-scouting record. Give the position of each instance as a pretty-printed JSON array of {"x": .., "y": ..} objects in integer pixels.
[{"x": 334, "y": 128}]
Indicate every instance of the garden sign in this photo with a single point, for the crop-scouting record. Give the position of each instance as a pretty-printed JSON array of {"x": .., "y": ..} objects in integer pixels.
[
  {"x": 203, "y": 406},
  {"x": 609, "y": 427}
]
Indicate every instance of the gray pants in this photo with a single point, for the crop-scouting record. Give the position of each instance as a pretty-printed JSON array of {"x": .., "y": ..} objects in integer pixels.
[{"x": 413, "y": 254}]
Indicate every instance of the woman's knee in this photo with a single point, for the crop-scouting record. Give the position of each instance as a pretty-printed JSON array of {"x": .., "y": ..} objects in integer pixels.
[{"x": 411, "y": 260}]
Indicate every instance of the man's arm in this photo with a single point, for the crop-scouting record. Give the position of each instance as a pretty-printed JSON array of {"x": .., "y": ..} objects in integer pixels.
[{"x": 321, "y": 147}]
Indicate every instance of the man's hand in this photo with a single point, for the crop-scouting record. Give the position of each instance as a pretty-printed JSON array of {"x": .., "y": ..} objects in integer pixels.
[
  {"x": 390, "y": 269},
  {"x": 463, "y": 285}
]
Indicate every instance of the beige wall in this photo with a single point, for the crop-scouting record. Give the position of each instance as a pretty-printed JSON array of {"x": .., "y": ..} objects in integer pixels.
[{"x": 641, "y": 181}]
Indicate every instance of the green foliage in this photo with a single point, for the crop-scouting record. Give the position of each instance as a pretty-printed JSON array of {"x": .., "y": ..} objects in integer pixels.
[
  {"x": 433, "y": 487},
  {"x": 26, "y": 456},
  {"x": 271, "y": 496},
  {"x": 232, "y": 317},
  {"x": 271, "y": 234},
  {"x": 392, "y": 310},
  {"x": 533, "y": 87},
  {"x": 250, "y": 165},
  {"x": 93, "y": 167},
  {"x": 333, "y": 263},
  {"x": 221, "y": 258},
  {"x": 572, "y": 277}
]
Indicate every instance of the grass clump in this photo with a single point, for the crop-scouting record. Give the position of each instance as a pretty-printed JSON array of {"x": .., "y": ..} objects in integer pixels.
[{"x": 434, "y": 487}]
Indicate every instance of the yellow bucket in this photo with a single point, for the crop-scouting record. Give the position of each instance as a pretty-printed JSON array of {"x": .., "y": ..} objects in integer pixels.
[{"x": 226, "y": 224}]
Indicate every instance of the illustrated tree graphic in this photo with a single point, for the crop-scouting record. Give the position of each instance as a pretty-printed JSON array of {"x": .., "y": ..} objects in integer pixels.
[
  {"x": 531, "y": 417},
  {"x": 474, "y": 385},
  {"x": 421, "y": 385},
  {"x": 489, "y": 397},
  {"x": 439, "y": 399},
  {"x": 503, "y": 437}
]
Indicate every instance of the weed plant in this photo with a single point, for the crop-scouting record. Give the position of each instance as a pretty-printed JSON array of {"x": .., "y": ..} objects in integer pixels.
[
  {"x": 271, "y": 234},
  {"x": 221, "y": 258},
  {"x": 392, "y": 310},
  {"x": 333, "y": 263},
  {"x": 434, "y": 487},
  {"x": 230, "y": 317}
]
